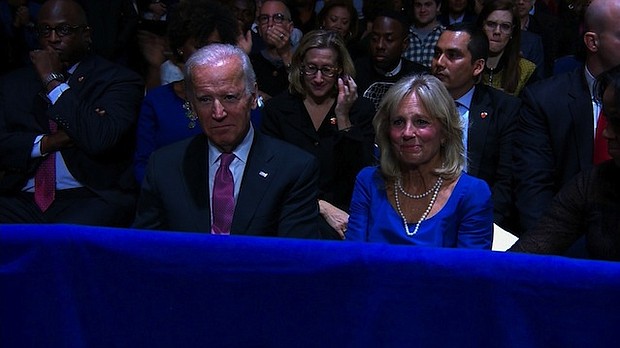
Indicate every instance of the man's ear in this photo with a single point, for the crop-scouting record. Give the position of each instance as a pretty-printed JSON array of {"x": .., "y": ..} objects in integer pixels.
[
  {"x": 591, "y": 41},
  {"x": 479, "y": 67},
  {"x": 87, "y": 36}
]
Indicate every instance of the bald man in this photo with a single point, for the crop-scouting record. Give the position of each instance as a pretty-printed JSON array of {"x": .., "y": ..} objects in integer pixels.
[
  {"x": 67, "y": 129},
  {"x": 555, "y": 137}
]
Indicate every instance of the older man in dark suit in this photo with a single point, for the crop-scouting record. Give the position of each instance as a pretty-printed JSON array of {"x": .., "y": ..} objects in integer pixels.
[
  {"x": 489, "y": 115},
  {"x": 231, "y": 179},
  {"x": 67, "y": 129},
  {"x": 556, "y": 134}
]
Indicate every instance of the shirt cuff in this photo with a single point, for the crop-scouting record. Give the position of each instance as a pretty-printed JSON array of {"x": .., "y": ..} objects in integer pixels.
[
  {"x": 55, "y": 93},
  {"x": 36, "y": 147}
]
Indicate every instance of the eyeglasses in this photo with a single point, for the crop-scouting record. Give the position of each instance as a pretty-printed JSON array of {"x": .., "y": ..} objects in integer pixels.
[
  {"x": 61, "y": 30},
  {"x": 327, "y": 71},
  {"x": 276, "y": 18},
  {"x": 505, "y": 28}
]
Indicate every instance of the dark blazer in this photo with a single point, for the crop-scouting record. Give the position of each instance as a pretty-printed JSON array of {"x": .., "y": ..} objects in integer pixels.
[
  {"x": 548, "y": 27},
  {"x": 532, "y": 49},
  {"x": 492, "y": 125},
  {"x": 278, "y": 195},
  {"x": 101, "y": 158},
  {"x": 554, "y": 141},
  {"x": 587, "y": 205},
  {"x": 341, "y": 154}
]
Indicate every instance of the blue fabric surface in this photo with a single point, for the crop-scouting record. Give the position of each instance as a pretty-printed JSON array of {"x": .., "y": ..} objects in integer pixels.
[
  {"x": 72, "y": 286},
  {"x": 465, "y": 221}
]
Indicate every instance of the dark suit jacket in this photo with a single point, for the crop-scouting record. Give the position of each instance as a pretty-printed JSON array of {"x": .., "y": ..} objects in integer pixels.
[
  {"x": 492, "y": 125},
  {"x": 548, "y": 27},
  {"x": 554, "y": 141},
  {"x": 175, "y": 193},
  {"x": 587, "y": 205},
  {"x": 532, "y": 49},
  {"x": 102, "y": 155}
]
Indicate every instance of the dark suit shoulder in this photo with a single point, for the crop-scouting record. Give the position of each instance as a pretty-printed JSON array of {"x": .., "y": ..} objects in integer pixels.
[
  {"x": 495, "y": 95},
  {"x": 281, "y": 150},
  {"x": 283, "y": 101},
  {"x": 558, "y": 84},
  {"x": 94, "y": 64},
  {"x": 175, "y": 151}
]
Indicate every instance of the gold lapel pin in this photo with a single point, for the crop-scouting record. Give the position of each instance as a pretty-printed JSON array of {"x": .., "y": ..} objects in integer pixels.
[{"x": 81, "y": 78}]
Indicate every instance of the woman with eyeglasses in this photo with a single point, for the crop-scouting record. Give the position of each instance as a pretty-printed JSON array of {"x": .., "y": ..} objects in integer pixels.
[
  {"x": 505, "y": 68},
  {"x": 321, "y": 113}
]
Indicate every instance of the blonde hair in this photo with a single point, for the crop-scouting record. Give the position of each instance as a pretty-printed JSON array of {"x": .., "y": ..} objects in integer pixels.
[{"x": 440, "y": 106}]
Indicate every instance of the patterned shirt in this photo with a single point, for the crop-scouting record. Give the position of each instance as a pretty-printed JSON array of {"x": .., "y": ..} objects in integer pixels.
[{"x": 422, "y": 50}]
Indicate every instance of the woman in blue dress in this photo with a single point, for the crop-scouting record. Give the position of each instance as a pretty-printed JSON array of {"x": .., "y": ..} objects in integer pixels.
[{"x": 419, "y": 194}]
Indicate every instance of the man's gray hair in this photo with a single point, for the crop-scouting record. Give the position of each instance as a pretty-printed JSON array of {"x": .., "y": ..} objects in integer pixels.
[{"x": 215, "y": 53}]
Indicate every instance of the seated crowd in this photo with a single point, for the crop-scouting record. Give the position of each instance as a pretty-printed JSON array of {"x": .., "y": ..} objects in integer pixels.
[{"x": 421, "y": 122}]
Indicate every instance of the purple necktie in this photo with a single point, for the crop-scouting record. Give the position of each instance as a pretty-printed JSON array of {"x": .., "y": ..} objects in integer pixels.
[
  {"x": 223, "y": 196},
  {"x": 45, "y": 178}
]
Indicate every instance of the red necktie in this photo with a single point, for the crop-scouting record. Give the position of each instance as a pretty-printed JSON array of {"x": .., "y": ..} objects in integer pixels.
[
  {"x": 600, "y": 143},
  {"x": 45, "y": 178},
  {"x": 223, "y": 202}
]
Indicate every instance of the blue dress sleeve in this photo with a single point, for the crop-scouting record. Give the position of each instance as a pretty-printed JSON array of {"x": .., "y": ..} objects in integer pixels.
[
  {"x": 359, "y": 210},
  {"x": 476, "y": 227}
]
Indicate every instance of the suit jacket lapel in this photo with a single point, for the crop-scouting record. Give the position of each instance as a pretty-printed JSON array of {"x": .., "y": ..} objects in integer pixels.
[
  {"x": 81, "y": 73},
  {"x": 480, "y": 114},
  {"x": 580, "y": 108},
  {"x": 259, "y": 171},
  {"x": 196, "y": 173}
]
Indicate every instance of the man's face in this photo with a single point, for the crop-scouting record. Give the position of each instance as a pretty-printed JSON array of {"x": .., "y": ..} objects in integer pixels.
[
  {"x": 457, "y": 6},
  {"x": 71, "y": 37},
  {"x": 276, "y": 18},
  {"x": 221, "y": 102},
  {"x": 524, "y": 7},
  {"x": 387, "y": 43},
  {"x": 452, "y": 63},
  {"x": 243, "y": 14},
  {"x": 424, "y": 12}
]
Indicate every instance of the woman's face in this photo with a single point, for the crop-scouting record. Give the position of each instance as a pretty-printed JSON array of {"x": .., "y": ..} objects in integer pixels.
[
  {"x": 338, "y": 19},
  {"x": 415, "y": 136},
  {"x": 498, "y": 26},
  {"x": 323, "y": 62},
  {"x": 611, "y": 132}
]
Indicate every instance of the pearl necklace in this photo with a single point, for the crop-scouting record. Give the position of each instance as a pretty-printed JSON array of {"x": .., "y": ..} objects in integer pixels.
[
  {"x": 435, "y": 190},
  {"x": 420, "y": 196}
]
